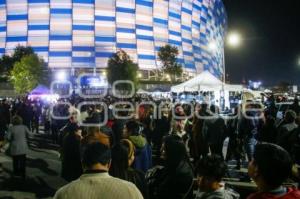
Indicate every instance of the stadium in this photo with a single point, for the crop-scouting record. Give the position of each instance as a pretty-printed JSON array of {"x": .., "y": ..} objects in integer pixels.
[{"x": 83, "y": 34}]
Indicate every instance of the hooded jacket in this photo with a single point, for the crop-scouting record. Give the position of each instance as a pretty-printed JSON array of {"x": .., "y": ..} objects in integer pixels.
[{"x": 143, "y": 153}]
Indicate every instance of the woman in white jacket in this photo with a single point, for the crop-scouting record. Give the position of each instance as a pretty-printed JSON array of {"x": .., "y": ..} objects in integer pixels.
[{"x": 17, "y": 137}]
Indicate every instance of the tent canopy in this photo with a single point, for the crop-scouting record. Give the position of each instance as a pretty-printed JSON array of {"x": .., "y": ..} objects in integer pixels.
[
  {"x": 203, "y": 81},
  {"x": 40, "y": 90}
]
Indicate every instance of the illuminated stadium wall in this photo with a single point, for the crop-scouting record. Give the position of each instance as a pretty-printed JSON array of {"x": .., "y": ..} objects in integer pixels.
[{"x": 85, "y": 33}]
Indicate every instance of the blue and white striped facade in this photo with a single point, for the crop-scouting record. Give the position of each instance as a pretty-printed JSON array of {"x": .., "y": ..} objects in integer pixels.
[{"x": 85, "y": 33}]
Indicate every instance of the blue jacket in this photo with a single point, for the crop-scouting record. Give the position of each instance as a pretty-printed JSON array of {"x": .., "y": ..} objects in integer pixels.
[{"x": 143, "y": 153}]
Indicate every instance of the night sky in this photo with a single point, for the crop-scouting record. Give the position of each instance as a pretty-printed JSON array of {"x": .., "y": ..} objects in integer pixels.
[{"x": 271, "y": 41}]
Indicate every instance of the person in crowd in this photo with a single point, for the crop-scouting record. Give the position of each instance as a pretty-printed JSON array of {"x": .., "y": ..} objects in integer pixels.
[
  {"x": 250, "y": 126},
  {"x": 175, "y": 178},
  {"x": 26, "y": 113},
  {"x": 96, "y": 182},
  {"x": 286, "y": 130},
  {"x": 235, "y": 146},
  {"x": 47, "y": 118},
  {"x": 214, "y": 129},
  {"x": 271, "y": 107},
  {"x": 210, "y": 171},
  {"x": 270, "y": 167},
  {"x": 95, "y": 133},
  {"x": 269, "y": 130},
  {"x": 3, "y": 121},
  {"x": 118, "y": 125},
  {"x": 295, "y": 106},
  {"x": 71, "y": 124},
  {"x": 161, "y": 129},
  {"x": 36, "y": 117},
  {"x": 199, "y": 147},
  {"x": 122, "y": 159},
  {"x": 70, "y": 154},
  {"x": 143, "y": 152},
  {"x": 17, "y": 137},
  {"x": 147, "y": 122},
  {"x": 178, "y": 122}
]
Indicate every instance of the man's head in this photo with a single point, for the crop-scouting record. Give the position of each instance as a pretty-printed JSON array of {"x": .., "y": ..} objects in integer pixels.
[
  {"x": 98, "y": 134},
  {"x": 96, "y": 156},
  {"x": 271, "y": 165},
  {"x": 210, "y": 171},
  {"x": 290, "y": 116},
  {"x": 131, "y": 128}
]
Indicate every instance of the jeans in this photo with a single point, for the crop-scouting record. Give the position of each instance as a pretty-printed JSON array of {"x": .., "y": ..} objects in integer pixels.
[{"x": 249, "y": 147}]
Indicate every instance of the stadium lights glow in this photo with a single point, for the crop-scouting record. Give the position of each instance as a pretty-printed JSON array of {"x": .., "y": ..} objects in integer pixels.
[
  {"x": 234, "y": 39},
  {"x": 212, "y": 46},
  {"x": 61, "y": 75}
]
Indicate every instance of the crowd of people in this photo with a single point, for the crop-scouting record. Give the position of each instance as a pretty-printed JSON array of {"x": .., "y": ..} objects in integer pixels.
[{"x": 174, "y": 152}]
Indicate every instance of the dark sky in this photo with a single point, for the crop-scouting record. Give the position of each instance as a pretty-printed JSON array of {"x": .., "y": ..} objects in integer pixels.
[{"x": 271, "y": 41}]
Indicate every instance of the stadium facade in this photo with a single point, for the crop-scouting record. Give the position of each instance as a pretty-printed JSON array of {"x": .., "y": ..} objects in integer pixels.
[{"x": 85, "y": 33}]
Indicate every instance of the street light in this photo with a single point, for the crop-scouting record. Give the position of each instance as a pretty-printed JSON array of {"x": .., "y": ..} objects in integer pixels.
[
  {"x": 234, "y": 39},
  {"x": 140, "y": 75},
  {"x": 61, "y": 75}
]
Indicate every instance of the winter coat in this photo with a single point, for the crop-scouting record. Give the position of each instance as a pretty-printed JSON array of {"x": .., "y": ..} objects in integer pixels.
[
  {"x": 71, "y": 161},
  {"x": 17, "y": 136},
  {"x": 143, "y": 153},
  {"x": 171, "y": 184}
]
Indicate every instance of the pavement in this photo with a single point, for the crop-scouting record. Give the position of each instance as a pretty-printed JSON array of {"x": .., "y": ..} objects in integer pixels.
[{"x": 42, "y": 171}]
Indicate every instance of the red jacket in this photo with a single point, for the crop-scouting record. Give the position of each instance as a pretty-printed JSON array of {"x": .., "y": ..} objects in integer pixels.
[{"x": 292, "y": 193}]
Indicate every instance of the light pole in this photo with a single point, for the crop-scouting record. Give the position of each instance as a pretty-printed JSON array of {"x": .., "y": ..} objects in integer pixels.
[{"x": 233, "y": 40}]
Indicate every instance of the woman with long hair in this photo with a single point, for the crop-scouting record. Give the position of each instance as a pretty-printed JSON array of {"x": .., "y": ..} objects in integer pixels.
[
  {"x": 176, "y": 174},
  {"x": 122, "y": 159}
]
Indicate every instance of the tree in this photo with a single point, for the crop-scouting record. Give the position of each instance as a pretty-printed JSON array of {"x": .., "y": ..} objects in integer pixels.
[
  {"x": 21, "y": 51},
  {"x": 121, "y": 67},
  {"x": 168, "y": 56},
  {"x": 27, "y": 73},
  {"x": 7, "y": 62}
]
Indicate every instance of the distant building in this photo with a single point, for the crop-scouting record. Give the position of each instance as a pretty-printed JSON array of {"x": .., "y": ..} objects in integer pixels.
[{"x": 83, "y": 34}]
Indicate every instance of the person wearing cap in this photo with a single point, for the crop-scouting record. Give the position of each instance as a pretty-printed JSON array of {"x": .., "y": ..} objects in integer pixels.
[
  {"x": 96, "y": 182},
  {"x": 286, "y": 130},
  {"x": 270, "y": 167}
]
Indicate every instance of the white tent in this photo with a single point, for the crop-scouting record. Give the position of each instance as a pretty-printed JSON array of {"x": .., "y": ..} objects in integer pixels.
[
  {"x": 203, "y": 81},
  {"x": 141, "y": 91},
  {"x": 234, "y": 87}
]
